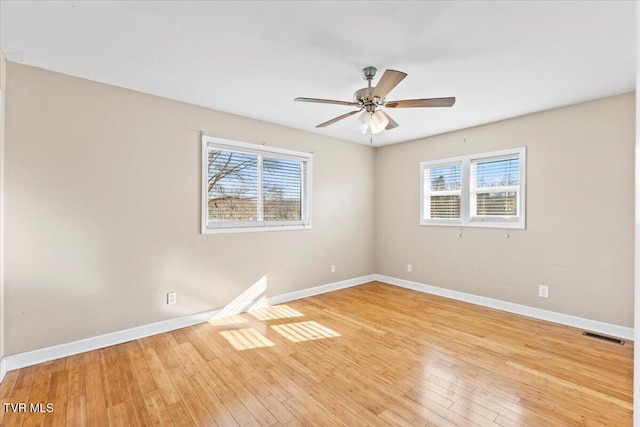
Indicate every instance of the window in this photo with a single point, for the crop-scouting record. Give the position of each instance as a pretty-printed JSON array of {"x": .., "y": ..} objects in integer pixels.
[
  {"x": 443, "y": 191},
  {"x": 481, "y": 190},
  {"x": 249, "y": 187}
]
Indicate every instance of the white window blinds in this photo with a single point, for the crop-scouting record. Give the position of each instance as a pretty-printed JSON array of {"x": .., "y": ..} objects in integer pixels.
[
  {"x": 495, "y": 187},
  {"x": 247, "y": 187},
  {"x": 282, "y": 189},
  {"x": 443, "y": 187}
]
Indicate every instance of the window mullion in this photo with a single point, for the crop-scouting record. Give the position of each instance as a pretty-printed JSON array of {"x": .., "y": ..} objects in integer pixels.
[
  {"x": 465, "y": 196},
  {"x": 260, "y": 206},
  {"x": 303, "y": 193},
  {"x": 425, "y": 208}
]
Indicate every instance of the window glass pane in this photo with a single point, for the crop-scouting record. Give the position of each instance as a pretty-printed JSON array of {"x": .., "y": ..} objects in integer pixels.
[
  {"x": 282, "y": 189},
  {"x": 496, "y": 173},
  {"x": 233, "y": 186},
  {"x": 445, "y": 178},
  {"x": 445, "y": 206},
  {"x": 497, "y": 204}
]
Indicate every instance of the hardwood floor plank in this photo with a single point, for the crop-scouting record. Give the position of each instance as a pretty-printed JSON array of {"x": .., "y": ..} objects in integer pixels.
[
  {"x": 6, "y": 391},
  {"x": 218, "y": 410},
  {"x": 166, "y": 388},
  {"x": 25, "y": 379},
  {"x": 573, "y": 386},
  {"x": 117, "y": 415},
  {"x": 134, "y": 402},
  {"x": 158, "y": 415},
  {"x": 140, "y": 368},
  {"x": 110, "y": 381},
  {"x": 179, "y": 415},
  {"x": 96, "y": 406},
  {"x": 257, "y": 409},
  {"x": 77, "y": 411},
  {"x": 15, "y": 416},
  {"x": 58, "y": 392},
  {"x": 308, "y": 415},
  {"x": 76, "y": 393},
  {"x": 228, "y": 397},
  {"x": 393, "y": 419},
  {"x": 38, "y": 395},
  {"x": 191, "y": 400}
]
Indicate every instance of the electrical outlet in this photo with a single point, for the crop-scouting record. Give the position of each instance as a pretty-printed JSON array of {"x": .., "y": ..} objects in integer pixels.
[
  {"x": 543, "y": 291},
  {"x": 171, "y": 298},
  {"x": 409, "y": 268},
  {"x": 333, "y": 268}
]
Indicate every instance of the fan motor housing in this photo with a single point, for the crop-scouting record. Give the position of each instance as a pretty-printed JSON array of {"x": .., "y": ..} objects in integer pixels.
[{"x": 365, "y": 97}]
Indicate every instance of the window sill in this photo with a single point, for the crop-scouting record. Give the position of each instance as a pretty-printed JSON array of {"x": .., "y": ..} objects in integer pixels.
[
  {"x": 509, "y": 225},
  {"x": 256, "y": 229}
]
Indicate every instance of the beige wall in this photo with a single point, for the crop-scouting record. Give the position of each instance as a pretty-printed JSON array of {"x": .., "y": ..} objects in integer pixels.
[
  {"x": 3, "y": 73},
  {"x": 636, "y": 298},
  {"x": 580, "y": 214},
  {"x": 102, "y": 211}
]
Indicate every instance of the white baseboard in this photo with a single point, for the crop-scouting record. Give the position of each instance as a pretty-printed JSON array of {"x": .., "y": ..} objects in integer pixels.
[
  {"x": 279, "y": 299},
  {"x": 537, "y": 313},
  {"x": 21, "y": 360}
]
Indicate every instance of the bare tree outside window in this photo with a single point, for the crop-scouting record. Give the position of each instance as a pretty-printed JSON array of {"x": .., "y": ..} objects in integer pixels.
[
  {"x": 234, "y": 187},
  {"x": 253, "y": 188}
]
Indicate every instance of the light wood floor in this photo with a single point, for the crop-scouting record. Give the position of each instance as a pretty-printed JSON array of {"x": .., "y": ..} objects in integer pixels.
[{"x": 369, "y": 355}]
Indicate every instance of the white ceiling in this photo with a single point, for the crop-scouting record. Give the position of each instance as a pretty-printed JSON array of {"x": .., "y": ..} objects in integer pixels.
[{"x": 499, "y": 59}]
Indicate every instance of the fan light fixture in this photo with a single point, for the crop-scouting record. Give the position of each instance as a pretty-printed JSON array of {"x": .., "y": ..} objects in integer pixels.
[{"x": 376, "y": 122}]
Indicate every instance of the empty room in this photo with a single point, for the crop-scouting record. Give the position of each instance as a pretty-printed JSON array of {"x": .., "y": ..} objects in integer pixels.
[{"x": 324, "y": 213}]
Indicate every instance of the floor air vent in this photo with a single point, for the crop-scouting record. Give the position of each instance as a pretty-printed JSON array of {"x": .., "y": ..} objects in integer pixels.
[{"x": 603, "y": 337}]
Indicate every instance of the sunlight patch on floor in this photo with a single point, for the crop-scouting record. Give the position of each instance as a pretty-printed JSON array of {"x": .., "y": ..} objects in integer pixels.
[
  {"x": 246, "y": 339},
  {"x": 228, "y": 321},
  {"x": 304, "y": 331},
  {"x": 252, "y": 298},
  {"x": 275, "y": 312}
]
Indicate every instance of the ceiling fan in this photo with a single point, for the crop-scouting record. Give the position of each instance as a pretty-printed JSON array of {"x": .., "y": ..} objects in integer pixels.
[{"x": 370, "y": 99}]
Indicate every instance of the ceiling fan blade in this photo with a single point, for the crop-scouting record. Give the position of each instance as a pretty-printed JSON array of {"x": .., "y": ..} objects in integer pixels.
[
  {"x": 337, "y": 119},
  {"x": 388, "y": 81},
  {"x": 392, "y": 123},
  {"x": 427, "y": 102},
  {"x": 326, "y": 101}
]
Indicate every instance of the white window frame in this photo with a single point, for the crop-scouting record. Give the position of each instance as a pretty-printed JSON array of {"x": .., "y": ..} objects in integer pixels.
[
  {"x": 468, "y": 191},
  {"x": 217, "y": 227}
]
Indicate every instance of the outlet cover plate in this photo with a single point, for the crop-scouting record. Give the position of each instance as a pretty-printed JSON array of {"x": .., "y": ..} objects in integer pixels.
[
  {"x": 543, "y": 291},
  {"x": 171, "y": 298}
]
